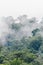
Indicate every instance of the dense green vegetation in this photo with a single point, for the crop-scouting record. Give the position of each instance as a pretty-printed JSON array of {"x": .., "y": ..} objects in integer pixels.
[
  {"x": 23, "y": 52},
  {"x": 23, "y": 44}
]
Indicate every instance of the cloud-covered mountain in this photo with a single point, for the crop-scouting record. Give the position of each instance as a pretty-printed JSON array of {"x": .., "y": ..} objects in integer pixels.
[{"x": 17, "y": 28}]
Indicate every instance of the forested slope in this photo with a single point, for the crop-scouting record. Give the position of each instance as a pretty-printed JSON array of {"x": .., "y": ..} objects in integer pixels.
[{"x": 22, "y": 41}]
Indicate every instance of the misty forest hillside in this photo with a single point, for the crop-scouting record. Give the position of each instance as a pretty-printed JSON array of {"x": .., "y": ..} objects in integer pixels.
[{"x": 21, "y": 41}]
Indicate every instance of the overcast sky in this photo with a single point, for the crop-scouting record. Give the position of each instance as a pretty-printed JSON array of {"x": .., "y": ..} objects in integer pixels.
[{"x": 32, "y": 8}]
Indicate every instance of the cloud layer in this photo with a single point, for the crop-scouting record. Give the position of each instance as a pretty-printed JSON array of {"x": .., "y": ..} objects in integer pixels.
[{"x": 17, "y": 28}]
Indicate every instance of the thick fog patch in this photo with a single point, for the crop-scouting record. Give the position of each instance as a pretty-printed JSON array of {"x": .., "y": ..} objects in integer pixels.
[{"x": 17, "y": 28}]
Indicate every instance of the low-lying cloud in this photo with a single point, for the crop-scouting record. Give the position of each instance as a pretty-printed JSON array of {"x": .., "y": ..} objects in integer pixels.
[{"x": 17, "y": 28}]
